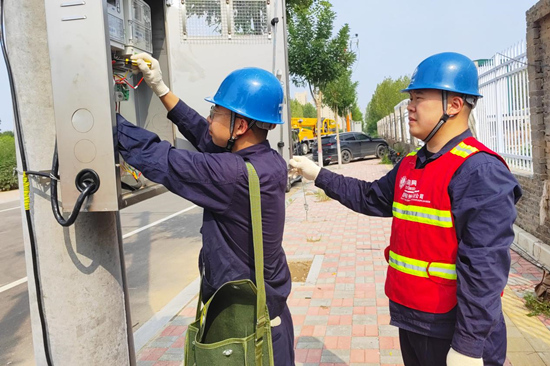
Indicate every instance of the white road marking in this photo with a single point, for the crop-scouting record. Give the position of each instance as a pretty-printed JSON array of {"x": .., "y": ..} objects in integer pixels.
[
  {"x": 9, "y": 209},
  {"x": 158, "y": 222},
  {"x": 13, "y": 284},
  {"x": 23, "y": 280}
]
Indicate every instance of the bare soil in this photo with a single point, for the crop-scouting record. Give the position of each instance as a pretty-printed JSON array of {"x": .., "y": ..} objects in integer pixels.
[{"x": 299, "y": 270}]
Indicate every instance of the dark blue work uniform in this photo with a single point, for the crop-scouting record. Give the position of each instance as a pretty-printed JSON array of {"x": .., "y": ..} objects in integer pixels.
[
  {"x": 218, "y": 182},
  {"x": 483, "y": 195}
]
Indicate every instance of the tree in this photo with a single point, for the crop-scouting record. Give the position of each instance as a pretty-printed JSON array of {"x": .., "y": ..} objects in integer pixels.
[
  {"x": 356, "y": 113},
  {"x": 386, "y": 96},
  {"x": 339, "y": 94},
  {"x": 297, "y": 5},
  {"x": 315, "y": 57},
  {"x": 310, "y": 111},
  {"x": 296, "y": 109}
]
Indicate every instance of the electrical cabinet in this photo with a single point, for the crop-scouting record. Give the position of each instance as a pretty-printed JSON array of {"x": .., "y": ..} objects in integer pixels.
[
  {"x": 197, "y": 43},
  {"x": 90, "y": 43}
]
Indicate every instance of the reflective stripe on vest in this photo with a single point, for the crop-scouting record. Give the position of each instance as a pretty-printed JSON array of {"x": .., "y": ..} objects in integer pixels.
[
  {"x": 420, "y": 268},
  {"x": 413, "y": 153},
  {"x": 423, "y": 215},
  {"x": 464, "y": 150}
]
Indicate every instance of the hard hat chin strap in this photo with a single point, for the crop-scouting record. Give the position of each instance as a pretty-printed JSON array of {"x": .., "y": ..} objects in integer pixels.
[
  {"x": 232, "y": 139},
  {"x": 442, "y": 120}
]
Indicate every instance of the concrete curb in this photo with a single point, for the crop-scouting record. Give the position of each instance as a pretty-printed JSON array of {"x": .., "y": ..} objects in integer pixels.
[
  {"x": 153, "y": 326},
  {"x": 532, "y": 246}
]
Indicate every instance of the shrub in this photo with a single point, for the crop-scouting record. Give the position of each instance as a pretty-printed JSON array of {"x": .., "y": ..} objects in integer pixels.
[{"x": 8, "y": 162}]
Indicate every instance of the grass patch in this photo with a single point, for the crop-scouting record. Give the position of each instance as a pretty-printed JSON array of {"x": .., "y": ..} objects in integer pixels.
[
  {"x": 385, "y": 159},
  {"x": 8, "y": 162},
  {"x": 536, "y": 306}
]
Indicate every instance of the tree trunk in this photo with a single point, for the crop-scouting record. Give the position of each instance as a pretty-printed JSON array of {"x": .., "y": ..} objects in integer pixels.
[
  {"x": 318, "y": 102},
  {"x": 338, "y": 141}
]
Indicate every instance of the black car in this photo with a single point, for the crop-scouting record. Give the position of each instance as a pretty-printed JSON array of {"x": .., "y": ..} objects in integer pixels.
[{"x": 353, "y": 145}]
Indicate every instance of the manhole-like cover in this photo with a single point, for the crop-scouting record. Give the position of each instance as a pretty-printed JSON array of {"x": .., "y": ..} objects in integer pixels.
[{"x": 299, "y": 270}]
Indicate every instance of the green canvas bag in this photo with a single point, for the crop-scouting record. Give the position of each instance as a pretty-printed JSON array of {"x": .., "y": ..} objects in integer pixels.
[{"x": 233, "y": 327}]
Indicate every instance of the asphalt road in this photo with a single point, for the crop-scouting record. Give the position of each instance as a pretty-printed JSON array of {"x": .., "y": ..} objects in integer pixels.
[{"x": 160, "y": 262}]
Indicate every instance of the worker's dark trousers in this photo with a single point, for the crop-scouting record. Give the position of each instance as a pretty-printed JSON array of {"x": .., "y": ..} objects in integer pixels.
[
  {"x": 283, "y": 340},
  {"x": 421, "y": 350}
]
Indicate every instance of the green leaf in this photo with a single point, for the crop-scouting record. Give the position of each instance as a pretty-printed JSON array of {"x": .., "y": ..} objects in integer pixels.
[{"x": 386, "y": 96}]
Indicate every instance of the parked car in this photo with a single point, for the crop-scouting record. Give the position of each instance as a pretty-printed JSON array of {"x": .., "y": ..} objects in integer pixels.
[{"x": 353, "y": 145}]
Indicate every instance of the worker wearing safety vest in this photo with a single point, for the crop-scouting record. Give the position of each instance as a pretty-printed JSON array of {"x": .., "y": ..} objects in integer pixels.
[
  {"x": 215, "y": 177},
  {"x": 453, "y": 207}
]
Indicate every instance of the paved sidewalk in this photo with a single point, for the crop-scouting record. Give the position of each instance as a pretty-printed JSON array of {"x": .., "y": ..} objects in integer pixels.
[{"x": 341, "y": 312}]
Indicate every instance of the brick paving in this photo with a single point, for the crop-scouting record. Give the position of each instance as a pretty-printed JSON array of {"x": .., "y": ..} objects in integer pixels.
[
  {"x": 342, "y": 317},
  {"x": 523, "y": 278}
]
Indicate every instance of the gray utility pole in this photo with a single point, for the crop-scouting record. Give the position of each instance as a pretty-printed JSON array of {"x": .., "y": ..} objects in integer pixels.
[{"x": 81, "y": 268}]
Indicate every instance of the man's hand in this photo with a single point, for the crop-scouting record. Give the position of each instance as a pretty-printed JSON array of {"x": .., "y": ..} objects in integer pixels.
[
  {"x": 458, "y": 359},
  {"x": 306, "y": 167},
  {"x": 153, "y": 75}
]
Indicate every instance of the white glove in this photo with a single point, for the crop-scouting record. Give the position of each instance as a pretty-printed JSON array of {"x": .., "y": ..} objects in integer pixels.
[
  {"x": 458, "y": 359},
  {"x": 306, "y": 167},
  {"x": 153, "y": 75}
]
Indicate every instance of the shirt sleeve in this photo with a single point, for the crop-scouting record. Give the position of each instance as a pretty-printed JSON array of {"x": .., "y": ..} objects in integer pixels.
[
  {"x": 208, "y": 180},
  {"x": 483, "y": 194},
  {"x": 369, "y": 198},
  {"x": 193, "y": 127}
]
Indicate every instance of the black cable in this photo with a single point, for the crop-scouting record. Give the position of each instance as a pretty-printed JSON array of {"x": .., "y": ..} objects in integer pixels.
[
  {"x": 528, "y": 257},
  {"x": 53, "y": 196},
  {"x": 40, "y": 174},
  {"x": 34, "y": 255}
]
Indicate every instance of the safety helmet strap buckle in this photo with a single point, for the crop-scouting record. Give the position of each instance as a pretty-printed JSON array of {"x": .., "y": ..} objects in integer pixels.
[{"x": 442, "y": 120}]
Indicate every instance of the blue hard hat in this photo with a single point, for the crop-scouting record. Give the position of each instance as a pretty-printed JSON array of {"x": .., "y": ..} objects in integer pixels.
[
  {"x": 251, "y": 92},
  {"x": 446, "y": 71}
]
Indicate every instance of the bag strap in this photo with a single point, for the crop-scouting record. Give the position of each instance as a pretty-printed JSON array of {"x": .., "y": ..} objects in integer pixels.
[
  {"x": 257, "y": 236},
  {"x": 257, "y": 232}
]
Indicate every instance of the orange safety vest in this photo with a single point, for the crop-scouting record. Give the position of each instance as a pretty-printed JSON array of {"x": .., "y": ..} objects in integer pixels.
[{"x": 423, "y": 243}]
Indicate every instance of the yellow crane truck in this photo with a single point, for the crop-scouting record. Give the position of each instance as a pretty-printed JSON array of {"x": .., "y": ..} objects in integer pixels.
[{"x": 305, "y": 130}]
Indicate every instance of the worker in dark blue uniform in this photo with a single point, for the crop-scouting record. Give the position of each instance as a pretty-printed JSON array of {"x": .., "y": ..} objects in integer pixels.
[
  {"x": 246, "y": 106},
  {"x": 453, "y": 207}
]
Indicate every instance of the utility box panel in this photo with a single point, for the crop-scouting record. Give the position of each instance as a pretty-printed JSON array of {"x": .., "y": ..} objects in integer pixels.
[
  {"x": 90, "y": 43},
  {"x": 215, "y": 37},
  {"x": 197, "y": 42}
]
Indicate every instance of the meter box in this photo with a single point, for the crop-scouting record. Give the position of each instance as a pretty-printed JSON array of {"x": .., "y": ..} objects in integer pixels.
[
  {"x": 139, "y": 28},
  {"x": 117, "y": 33},
  {"x": 130, "y": 26},
  {"x": 92, "y": 81}
]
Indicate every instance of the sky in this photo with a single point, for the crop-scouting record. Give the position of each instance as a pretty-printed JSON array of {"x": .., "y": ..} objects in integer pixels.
[{"x": 395, "y": 36}]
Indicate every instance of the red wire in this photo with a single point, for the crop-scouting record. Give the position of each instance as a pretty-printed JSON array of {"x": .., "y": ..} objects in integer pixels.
[{"x": 131, "y": 86}]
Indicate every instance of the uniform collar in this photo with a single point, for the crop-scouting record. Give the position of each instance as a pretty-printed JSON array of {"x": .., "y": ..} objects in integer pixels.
[
  {"x": 254, "y": 149},
  {"x": 422, "y": 158}
]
